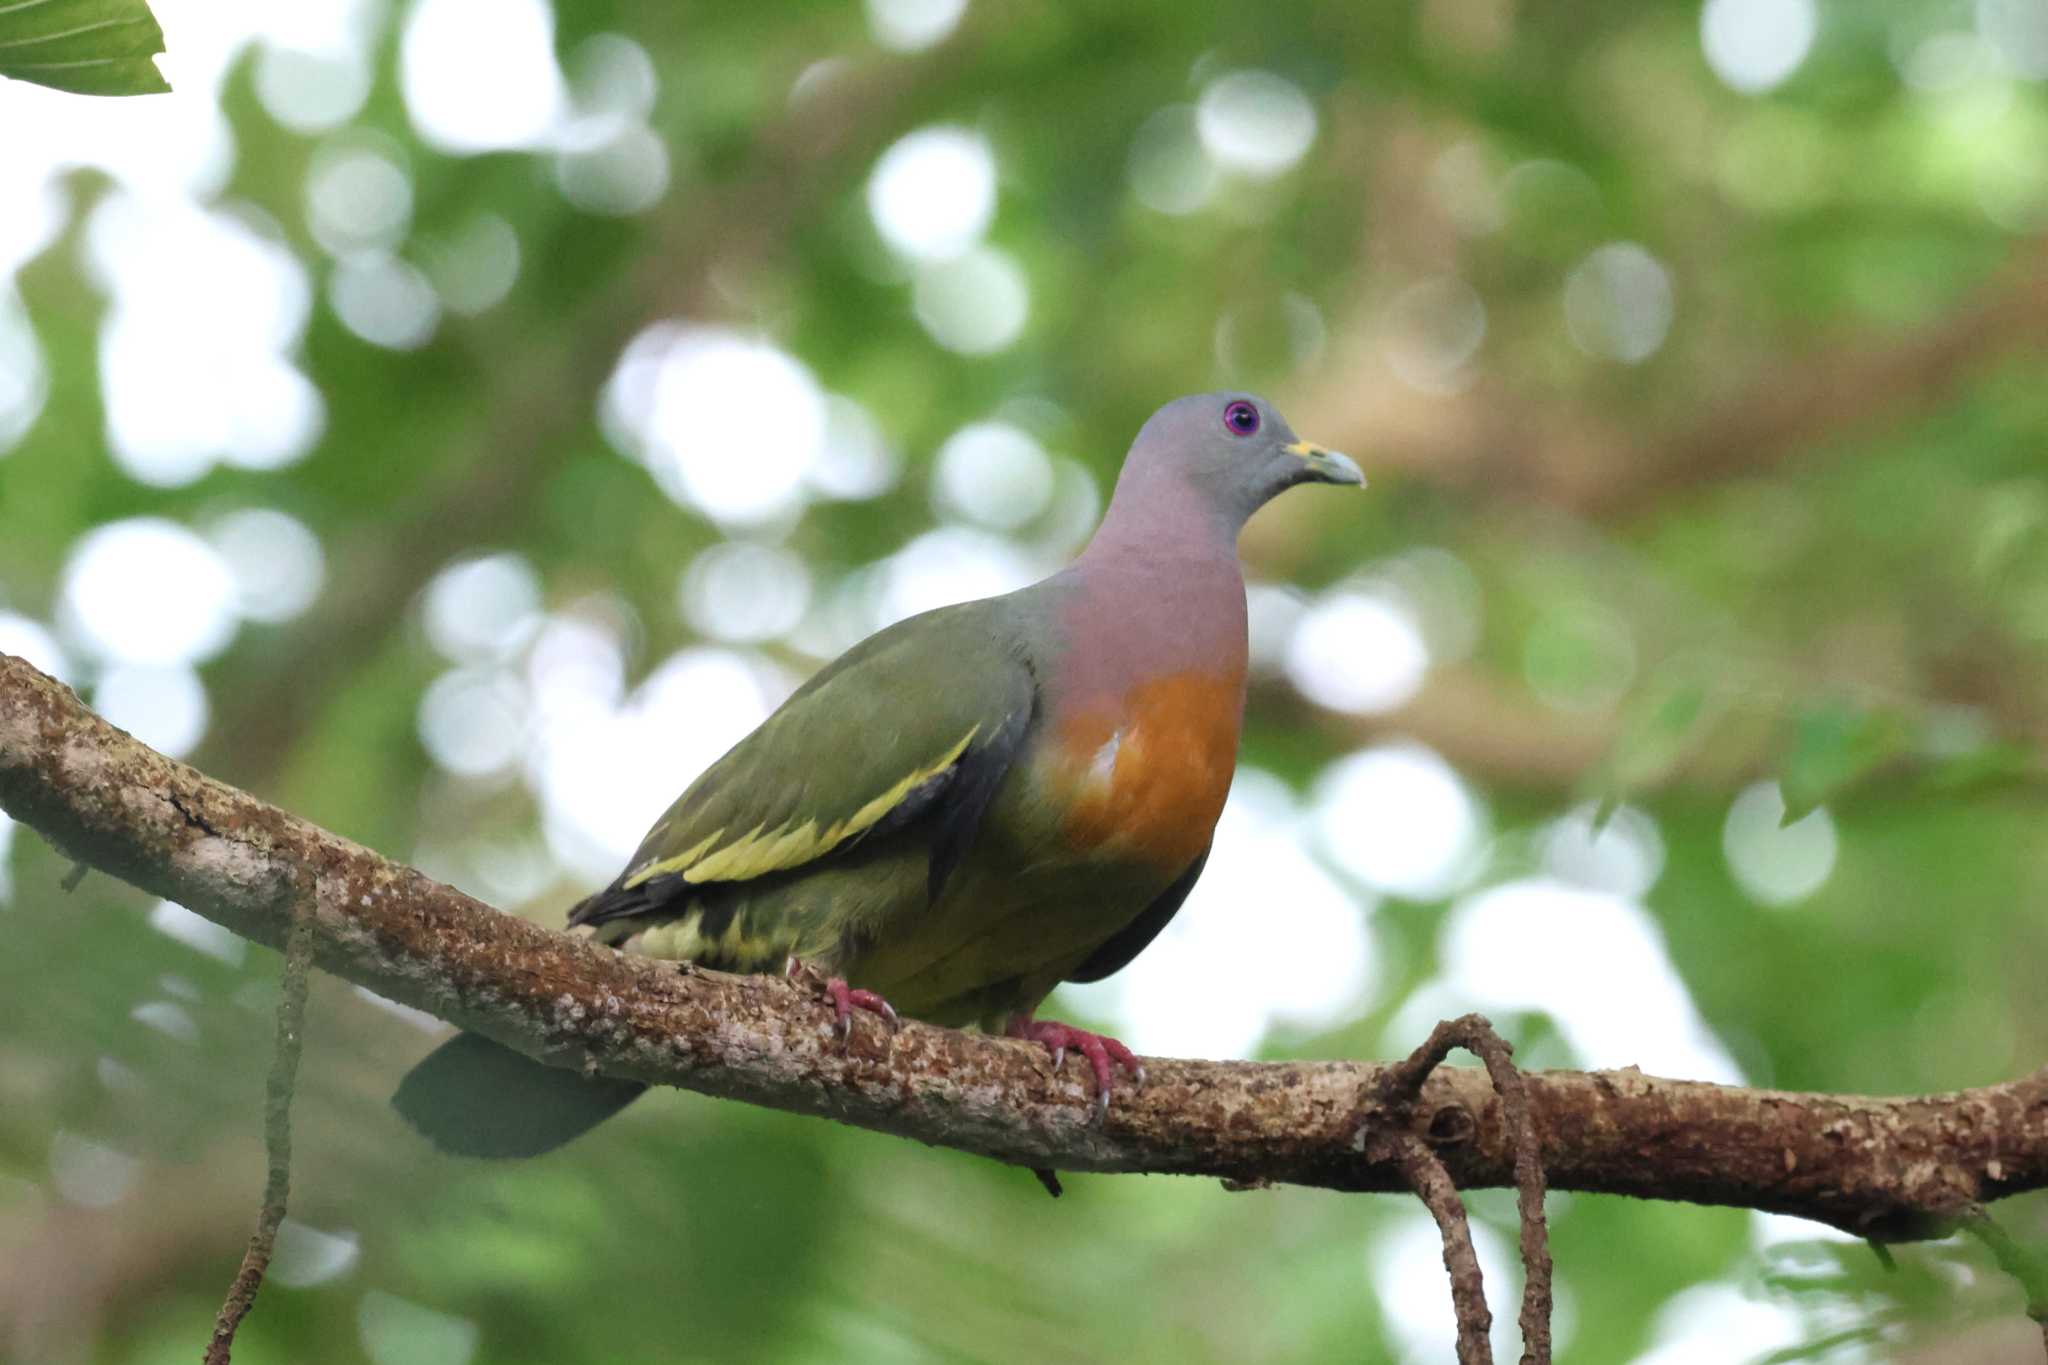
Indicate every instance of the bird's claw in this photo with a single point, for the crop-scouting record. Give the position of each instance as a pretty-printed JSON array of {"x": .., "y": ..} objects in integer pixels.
[
  {"x": 1104, "y": 1055},
  {"x": 846, "y": 999}
]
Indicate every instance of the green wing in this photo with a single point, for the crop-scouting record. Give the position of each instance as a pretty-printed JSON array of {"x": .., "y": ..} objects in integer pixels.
[{"x": 916, "y": 724}]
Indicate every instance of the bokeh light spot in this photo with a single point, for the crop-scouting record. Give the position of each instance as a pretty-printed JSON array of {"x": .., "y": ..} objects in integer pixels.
[
  {"x": 91, "y": 1174},
  {"x": 1432, "y": 330},
  {"x": 473, "y": 720},
  {"x": 29, "y": 639},
  {"x": 1595, "y": 962},
  {"x": 611, "y": 76},
  {"x": 147, "y": 591},
  {"x": 1255, "y": 122},
  {"x": 912, "y": 25},
  {"x": 933, "y": 193},
  {"x": 604, "y": 773},
  {"x": 179, "y": 397},
  {"x": 397, "y": 1331},
  {"x": 1711, "y": 1324},
  {"x": 1399, "y": 819},
  {"x": 976, "y": 303},
  {"x": 306, "y": 1255},
  {"x": 310, "y": 92},
  {"x": 475, "y": 267},
  {"x": 385, "y": 301},
  {"x": 1358, "y": 650},
  {"x": 168, "y": 149},
  {"x": 1949, "y": 62},
  {"x": 358, "y": 197},
  {"x": 163, "y": 707},
  {"x": 198, "y": 933},
  {"x": 480, "y": 75},
  {"x": 1272, "y": 611},
  {"x": 744, "y": 593},
  {"x": 992, "y": 473},
  {"x": 624, "y": 175},
  {"x": 1774, "y": 862},
  {"x": 1623, "y": 857},
  {"x": 483, "y": 608},
  {"x": 1618, "y": 304},
  {"x": 728, "y": 425},
  {"x": 857, "y": 461},
  {"x": 1755, "y": 45},
  {"x": 952, "y": 564},
  {"x": 275, "y": 559},
  {"x": 2018, "y": 29}
]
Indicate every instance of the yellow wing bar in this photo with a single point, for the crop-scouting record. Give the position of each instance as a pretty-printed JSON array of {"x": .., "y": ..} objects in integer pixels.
[{"x": 761, "y": 850}]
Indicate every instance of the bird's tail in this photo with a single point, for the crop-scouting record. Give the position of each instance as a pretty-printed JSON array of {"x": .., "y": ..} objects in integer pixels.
[{"x": 474, "y": 1097}]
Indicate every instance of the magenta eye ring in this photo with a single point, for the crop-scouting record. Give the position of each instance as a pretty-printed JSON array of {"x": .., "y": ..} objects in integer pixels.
[{"x": 1240, "y": 418}]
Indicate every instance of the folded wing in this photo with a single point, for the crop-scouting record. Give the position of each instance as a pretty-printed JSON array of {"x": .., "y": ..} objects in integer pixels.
[{"x": 910, "y": 733}]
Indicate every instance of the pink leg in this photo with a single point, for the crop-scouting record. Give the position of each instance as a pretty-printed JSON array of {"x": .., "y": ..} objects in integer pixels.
[
  {"x": 1100, "y": 1051},
  {"x": 846, "y": 999}
]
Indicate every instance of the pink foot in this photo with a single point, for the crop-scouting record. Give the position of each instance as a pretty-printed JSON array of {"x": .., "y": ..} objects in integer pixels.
[
  {"x": 846, "y": 999},
  {"x": 1100, "y": 1051}
]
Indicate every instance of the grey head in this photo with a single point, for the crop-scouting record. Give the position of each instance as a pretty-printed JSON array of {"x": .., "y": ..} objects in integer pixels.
[{"x": 1231, "y": 450}]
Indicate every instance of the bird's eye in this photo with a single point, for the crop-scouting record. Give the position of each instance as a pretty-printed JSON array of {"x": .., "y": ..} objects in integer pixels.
[{"x": 1240, "y": 418}]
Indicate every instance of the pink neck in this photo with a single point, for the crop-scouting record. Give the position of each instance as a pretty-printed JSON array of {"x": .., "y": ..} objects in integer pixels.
[
  {"x": 1154, "y": 515},
  {"x": 1157, "y": 591}
]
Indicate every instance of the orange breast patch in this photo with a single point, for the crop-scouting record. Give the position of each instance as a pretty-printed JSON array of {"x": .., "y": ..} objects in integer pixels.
[{"x": 1150, "y": 773}]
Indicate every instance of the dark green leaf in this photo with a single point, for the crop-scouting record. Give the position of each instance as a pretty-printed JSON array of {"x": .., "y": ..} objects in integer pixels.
[
  {"x": 1833, "y": 744},
  {"x": 88, "y": 47}
]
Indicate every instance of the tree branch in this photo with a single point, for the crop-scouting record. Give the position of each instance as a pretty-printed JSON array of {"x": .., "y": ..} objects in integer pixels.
[{"x": 1889, "y": 1169}]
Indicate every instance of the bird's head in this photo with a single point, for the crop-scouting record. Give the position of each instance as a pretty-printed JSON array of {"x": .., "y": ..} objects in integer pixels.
[{"x": 1234, "y": 450}]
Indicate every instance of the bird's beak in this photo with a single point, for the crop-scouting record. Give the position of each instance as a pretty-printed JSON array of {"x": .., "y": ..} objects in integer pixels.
[{"x": 1326, "y": 466}]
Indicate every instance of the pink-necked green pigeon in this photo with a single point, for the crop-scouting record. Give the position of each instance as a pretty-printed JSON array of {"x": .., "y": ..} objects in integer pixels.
[{"x": 967, "y": 808}]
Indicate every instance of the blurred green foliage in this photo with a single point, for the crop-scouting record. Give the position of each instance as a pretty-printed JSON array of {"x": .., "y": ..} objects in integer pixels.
[{"x": 1797, "y": 530}]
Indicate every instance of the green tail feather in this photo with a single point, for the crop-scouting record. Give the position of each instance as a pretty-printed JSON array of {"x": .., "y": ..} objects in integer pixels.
[{"x": 474, "y": 1097}]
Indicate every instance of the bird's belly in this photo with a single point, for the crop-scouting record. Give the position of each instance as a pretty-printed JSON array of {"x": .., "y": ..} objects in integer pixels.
[{"x": 1015, "y": 933}]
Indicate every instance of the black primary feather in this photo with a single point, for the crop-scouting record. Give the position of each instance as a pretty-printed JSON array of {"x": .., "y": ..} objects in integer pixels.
[
  {"x": 957, "y": 819},
  {"x": 622, "y": 902}
]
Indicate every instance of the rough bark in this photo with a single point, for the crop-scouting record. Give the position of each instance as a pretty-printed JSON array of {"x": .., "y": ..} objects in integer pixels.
[{"x": 1884, "y": 1168}]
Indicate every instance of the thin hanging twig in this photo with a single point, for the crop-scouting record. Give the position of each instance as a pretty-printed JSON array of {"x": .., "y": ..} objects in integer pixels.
[
  {"x": 1433, "y": 1186},
  {"x": 277, "y": 1135}
]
